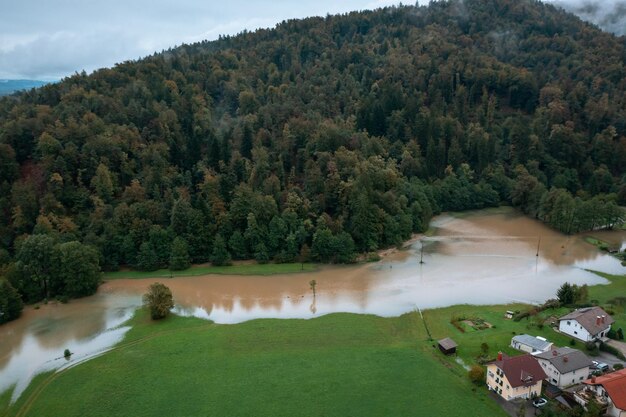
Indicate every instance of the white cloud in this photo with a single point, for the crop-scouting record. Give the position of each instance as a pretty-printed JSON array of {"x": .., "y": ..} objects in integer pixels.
[{"x": 44, "y": 39}]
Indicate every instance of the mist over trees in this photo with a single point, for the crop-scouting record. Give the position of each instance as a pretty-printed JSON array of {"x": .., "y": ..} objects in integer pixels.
[{"x": 317, "y": 140}]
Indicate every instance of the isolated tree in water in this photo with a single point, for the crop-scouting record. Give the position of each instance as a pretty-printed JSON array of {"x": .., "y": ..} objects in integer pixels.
[{"x": 159, "y": 300}]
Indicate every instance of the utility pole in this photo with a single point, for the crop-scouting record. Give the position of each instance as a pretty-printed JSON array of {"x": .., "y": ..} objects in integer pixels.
[
  {"x": 421, "y": 251},
  {"x": 538, "y": 243}
]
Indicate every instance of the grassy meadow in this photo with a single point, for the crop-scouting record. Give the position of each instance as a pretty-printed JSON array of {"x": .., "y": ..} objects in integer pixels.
[
  {"x": 335, "y": 365},
  {"x": 237, "y": 269}
]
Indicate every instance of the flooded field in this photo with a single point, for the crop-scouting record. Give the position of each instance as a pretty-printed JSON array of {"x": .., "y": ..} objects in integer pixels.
[{"x": 483, "y": 257}]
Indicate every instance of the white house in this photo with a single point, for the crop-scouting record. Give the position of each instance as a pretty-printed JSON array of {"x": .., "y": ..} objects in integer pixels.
[
  {"x": 612, "y": 388},
  {"x": 530, "y": 344},
  {"x": 564, "y": 366},
  {"x": 586, "y": 324}
]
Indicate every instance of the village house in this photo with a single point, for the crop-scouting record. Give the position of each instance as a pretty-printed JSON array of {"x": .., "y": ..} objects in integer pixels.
[
  {"x": 514, "y": 377},
  {"x": 530, "y": 344},
  {"x": 586, "y": 324},
  {"x": 564, "y": 366},
  {"x": 610, "y": 389}
]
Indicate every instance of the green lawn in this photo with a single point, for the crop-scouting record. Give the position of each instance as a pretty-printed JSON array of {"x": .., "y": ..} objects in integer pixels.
[
  {"x": 335, "y": 365},
  {"x": 241, "y": 269}
]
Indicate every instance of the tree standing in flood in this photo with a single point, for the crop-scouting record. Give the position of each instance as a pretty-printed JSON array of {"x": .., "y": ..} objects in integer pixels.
[{"x": 159, "y": 300}]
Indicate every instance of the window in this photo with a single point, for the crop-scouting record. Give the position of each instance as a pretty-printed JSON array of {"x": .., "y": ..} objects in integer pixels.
[
  {"x": 491, "y": 374},
  {"x": 568, "y": 323},
  {"x": 507, "y": 387},
  {"x": 575, "y": 332}
]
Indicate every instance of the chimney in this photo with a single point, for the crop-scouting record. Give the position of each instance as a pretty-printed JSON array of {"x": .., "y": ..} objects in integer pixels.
[
  {"x": 565, "y": 359},
  {"x": 499, "y": 356},
  {"x": 603, "y": 318},
  {"x": 598, "y": 320},
  {"x": 554, "y": 353},
  {"x": 593, "y": 379}
]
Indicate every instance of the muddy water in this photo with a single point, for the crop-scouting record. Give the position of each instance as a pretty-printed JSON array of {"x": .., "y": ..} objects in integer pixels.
[{"x": 479, "y": 258}]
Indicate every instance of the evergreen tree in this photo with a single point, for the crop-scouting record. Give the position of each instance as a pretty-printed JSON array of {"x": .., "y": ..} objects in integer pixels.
[
  {"x": 10, "y": 302},
  {"x": 147, "y": 258},
  {"x": 220, "y": 254},
  {"x": 179, "y": 257}
]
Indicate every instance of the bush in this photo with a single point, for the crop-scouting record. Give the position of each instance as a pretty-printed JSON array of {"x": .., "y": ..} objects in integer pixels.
[
  {"x": 572, "y": 342},
  {"x": 476, "y": 374},
  {"x": 592, "y": 348},
  {"x": 613, "y": 351},
  {"x": 67, "y": 353},
  {"x": 618, "y": 366},
  {"x": 159, "y": 300}
]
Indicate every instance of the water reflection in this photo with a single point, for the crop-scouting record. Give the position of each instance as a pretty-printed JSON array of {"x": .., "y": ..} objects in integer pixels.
[{"x": 478, "y": 258}]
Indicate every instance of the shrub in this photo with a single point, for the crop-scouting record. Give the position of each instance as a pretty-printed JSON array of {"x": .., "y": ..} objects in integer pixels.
[
  {"x": 476, "y": 374},
  {"x": 592, "y": 348},
  {"x": 613, "y": 351},
  {"x": 159, "y": 300},
  {"x": 67, "y": 353},
  {"x": 618, "y": 366},
  {"x": 572, "y": 342}
]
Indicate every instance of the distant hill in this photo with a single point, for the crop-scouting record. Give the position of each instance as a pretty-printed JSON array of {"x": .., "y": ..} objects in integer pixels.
[
  {"x": 320, "y": 138},
  {"x": 11, "y": 86}
]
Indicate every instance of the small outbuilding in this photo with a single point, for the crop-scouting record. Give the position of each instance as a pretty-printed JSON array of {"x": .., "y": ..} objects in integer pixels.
[
  {"x": 530, "y": 344},
  {"x": 447, "y": 346},
  {"x": 509, "y": 314}
]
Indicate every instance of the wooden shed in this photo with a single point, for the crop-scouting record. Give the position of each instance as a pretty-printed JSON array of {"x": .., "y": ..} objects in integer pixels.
[{"x": 447, "y": 346}]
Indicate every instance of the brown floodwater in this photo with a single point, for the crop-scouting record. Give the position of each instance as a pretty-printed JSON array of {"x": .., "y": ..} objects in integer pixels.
[{"x": 481, "y": 257}]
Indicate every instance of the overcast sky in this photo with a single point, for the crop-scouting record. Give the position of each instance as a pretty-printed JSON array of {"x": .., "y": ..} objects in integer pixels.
[{"x": 50, "y": 39}]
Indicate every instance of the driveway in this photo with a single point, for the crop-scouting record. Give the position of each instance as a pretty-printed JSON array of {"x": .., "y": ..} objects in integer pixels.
[
  {"x": 621, "y": 346},
  {"x": 512, "y": 407},
  {"x": 607, "y": 358}
]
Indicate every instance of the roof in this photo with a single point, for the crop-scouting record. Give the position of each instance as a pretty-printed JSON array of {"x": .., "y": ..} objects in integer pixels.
[
  {"x": 523, "y": 370},
  {"x": 588, "y": 318},
  {"x": 566, "y": 359},
  {"x": 532, "y": 341},
  {"x": 615, "y": 385},
  {"x": 447, "y": 343}
]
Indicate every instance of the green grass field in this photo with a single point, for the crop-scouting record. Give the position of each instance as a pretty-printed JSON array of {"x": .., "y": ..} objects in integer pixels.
[
  {"x": 240, "y": 269},
  {"x": 336, "y": 365}
]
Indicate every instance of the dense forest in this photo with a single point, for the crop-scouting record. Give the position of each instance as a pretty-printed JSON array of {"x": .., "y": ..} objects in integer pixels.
[{"x": 316, "y": 140}]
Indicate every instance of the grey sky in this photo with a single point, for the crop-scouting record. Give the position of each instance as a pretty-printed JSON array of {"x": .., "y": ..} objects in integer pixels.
[{"x": 50, "y": 39}]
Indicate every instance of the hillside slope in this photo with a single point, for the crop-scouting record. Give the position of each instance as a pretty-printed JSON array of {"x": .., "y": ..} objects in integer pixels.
[{"x": 318, "y": 139}]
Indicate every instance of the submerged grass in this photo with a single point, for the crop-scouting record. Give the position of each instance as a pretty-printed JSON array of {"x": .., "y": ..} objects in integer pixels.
[
  {"x": 335, "y": 365},
  {"x": 241, "y": 269}
]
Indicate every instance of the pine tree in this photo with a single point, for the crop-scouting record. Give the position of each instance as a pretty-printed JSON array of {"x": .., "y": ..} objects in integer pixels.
[
  {"x": 147, "y": 258},
  {"x": 220, "y": 255},
  {"x": 179, "y": 257}
]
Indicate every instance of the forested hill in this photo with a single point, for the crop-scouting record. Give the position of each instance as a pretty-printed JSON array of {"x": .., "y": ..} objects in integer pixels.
[{"x": 318, "y": 139}]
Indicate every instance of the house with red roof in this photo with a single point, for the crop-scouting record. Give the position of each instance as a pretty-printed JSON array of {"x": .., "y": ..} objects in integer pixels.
[
  {"x": 514, "y": 377},
  {"x": 612, "y": 388}
]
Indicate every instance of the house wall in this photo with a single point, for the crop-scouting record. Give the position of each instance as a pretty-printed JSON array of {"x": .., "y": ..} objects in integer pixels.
[
  {"x": 520, "y": 346},
  {"x": 615, "y": 412},
  {"x": 499, "y": 383},
  {"x": 574, "y": 329},
  {"x": 562, "y": 380}
]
